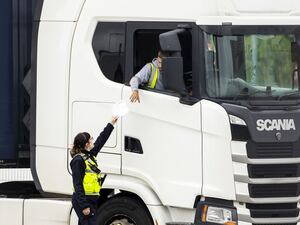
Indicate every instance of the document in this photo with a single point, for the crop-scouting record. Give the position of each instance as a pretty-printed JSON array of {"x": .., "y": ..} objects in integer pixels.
[{"x": 120, "y": 109}]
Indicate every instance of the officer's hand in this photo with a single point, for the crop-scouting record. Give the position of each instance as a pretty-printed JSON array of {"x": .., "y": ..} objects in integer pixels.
[
  {"x": 86, "y": 211},
  {"x": 135, "y": 96},
  {"x": 114, "y": 120}
]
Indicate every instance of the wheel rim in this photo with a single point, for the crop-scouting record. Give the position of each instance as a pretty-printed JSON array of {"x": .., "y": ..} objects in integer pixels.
[{"x": 121, "y": 220}]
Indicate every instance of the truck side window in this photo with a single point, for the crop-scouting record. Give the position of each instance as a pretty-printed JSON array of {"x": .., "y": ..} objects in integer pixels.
[{"x": 109, "y": 47}]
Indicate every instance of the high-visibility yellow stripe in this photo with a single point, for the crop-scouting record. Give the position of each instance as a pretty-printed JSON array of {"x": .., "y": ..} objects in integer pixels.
[
  {"x": 153, "y": 83},
  {"x": 91, "y": 181}
]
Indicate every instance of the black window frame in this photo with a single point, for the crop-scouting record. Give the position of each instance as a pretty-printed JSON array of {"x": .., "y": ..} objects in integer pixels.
[{"x": 134, "y": 26}]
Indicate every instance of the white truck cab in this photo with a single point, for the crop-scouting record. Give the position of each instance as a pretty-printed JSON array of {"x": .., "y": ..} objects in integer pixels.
[{"x": 217, "y": 146}]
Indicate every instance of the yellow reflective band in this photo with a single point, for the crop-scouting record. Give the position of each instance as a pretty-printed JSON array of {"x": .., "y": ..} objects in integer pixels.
[
  {"x": 91, "y": 180},
  {"x": 92, "y": 193},
  {"x": 153, "y": 83}
]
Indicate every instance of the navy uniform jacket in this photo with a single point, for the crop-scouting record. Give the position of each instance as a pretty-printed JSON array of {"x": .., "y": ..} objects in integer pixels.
[{"x": 78, "y": 167}]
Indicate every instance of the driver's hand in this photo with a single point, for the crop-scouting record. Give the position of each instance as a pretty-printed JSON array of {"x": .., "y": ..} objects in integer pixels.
[{"x": 135, "y": 96}]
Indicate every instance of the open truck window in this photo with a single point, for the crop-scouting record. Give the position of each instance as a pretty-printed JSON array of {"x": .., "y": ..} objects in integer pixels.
[
  {"x": 109, "y": 45},
  {"x": 146, "y": 46}
]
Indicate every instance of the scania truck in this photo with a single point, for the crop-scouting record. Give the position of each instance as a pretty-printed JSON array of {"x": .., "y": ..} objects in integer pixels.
[{"x": 220, "y": 145}]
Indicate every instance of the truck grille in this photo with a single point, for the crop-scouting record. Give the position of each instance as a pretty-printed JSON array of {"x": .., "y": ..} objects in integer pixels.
[
  {"x": 273, "y": 190},
  {"x": 273, "y": 150},
  {"x": 267, "y": 177},
  {"x": 273, "y": 210},
  {"x": 273, "y": 170}
]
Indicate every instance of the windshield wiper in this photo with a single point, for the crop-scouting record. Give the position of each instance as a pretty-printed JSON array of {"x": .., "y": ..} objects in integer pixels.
[
  {"x": 245, "y": 93},
  {"x": 288, "y": 95}
]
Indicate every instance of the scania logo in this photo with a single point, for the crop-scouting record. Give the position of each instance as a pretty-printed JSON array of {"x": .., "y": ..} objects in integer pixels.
[
  {"x": 275, "y": 124},
  {"x": 278, "y": 136}
]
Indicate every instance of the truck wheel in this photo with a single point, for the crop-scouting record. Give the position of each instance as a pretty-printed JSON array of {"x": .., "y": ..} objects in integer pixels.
[{"x": 123, "y": 211}]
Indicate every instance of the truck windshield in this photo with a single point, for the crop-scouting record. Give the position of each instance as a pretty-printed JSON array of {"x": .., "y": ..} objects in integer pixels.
[{"x": 251, "y": 66}]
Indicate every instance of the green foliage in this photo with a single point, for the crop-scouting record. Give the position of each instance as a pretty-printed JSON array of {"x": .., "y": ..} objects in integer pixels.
[{"x": 274, "y": 66}]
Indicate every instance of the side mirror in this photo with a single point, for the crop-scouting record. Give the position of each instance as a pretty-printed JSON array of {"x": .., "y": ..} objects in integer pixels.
[
  {"x": 172, "y": 74},
  {"x": 169, "y": 40},
  {"x": 172, "y": 66}
]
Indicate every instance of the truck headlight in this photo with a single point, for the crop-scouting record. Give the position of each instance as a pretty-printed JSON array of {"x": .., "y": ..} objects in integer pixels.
[
  {"x": 236, "y": 120},
  {"x": 218, "y": 215}
]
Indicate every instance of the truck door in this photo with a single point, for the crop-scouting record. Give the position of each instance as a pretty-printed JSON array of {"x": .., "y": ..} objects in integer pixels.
[
  {"x": 161, "y": 136},
  {"x": 97, "y": 73}
]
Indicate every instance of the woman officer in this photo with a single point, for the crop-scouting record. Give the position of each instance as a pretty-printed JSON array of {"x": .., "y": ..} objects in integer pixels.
[{"x": 86, "y": 174}]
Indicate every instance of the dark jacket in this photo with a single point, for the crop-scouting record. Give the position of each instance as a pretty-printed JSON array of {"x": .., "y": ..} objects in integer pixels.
[{"x": 78, "y": 167}]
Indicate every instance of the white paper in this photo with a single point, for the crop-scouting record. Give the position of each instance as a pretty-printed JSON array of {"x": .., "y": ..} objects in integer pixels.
[{"x": 120, "y": 109}]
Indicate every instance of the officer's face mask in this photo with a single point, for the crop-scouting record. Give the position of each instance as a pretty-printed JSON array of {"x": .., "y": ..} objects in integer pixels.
[
  {"x": 159, "y": 63},
  {"x": 90, "y": 144}
]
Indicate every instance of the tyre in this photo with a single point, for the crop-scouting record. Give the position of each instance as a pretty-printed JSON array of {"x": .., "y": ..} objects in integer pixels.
[{"x": 123, "y": 210}]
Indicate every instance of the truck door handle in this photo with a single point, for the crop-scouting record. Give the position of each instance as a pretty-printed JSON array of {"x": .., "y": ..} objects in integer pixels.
[{"x": 133, "y": 145}]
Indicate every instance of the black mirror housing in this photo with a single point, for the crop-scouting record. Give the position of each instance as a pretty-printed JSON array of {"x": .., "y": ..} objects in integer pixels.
[
  {"x": 169, "y": 41},
  {"x": 172, "y": 74}
]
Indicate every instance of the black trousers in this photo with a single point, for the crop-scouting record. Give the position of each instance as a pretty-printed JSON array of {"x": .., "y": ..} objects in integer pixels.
[{"x": 90, "y": 219}]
